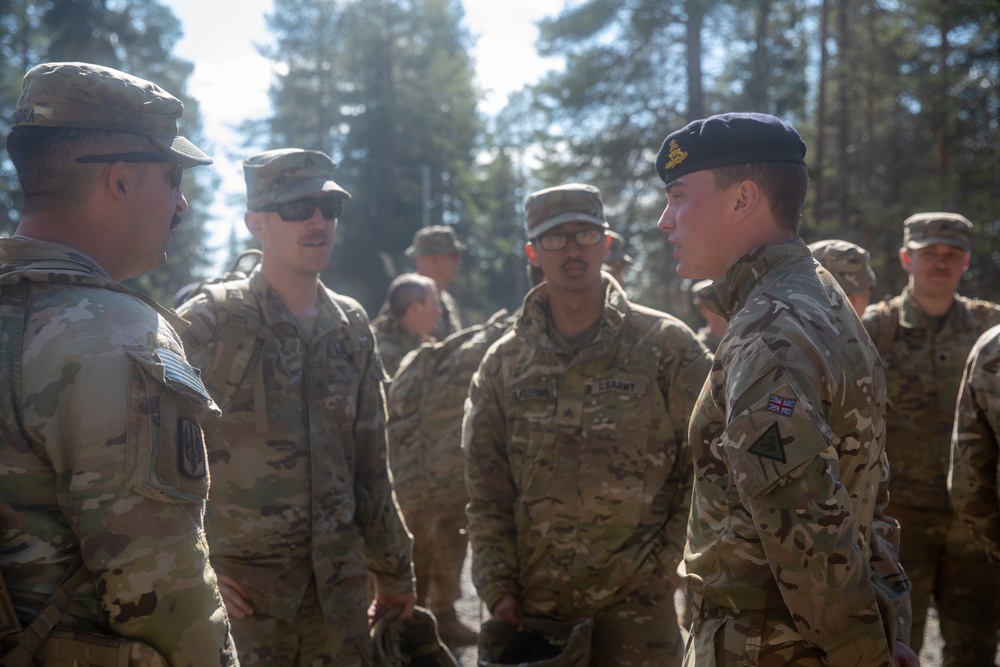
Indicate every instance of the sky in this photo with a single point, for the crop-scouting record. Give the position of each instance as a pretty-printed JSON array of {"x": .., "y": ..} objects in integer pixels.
[{"x": 230, "y": 79}]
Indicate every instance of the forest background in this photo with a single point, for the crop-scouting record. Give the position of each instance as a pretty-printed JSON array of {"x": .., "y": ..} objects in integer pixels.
[{"x": 898, "y": 101}]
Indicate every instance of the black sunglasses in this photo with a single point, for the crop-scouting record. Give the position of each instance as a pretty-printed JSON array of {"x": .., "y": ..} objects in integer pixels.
[
  {"x": 151, "y": 156},
  {"x": 302, "y": 209}
]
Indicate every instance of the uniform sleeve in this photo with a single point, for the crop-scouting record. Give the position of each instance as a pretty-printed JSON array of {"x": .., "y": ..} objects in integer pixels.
[
  {"x": 972, "y": 480},
  {"x": 121, "y": 428},
  {"x": 892, "y": 587},
  {"x": 199, "y": 338},
  {"x": 491, "y": 489},
  {"x": 780, "y": 448},
  {"x": 681, "y": 379},
  {"x": 387, "y": 544}
]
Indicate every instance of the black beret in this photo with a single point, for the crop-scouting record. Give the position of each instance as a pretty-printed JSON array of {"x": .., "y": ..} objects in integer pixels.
[{"x": 730, "y": 138}]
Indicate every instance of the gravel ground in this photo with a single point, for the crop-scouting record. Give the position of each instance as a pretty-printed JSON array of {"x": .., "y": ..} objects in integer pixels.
[{"x": 473, "y": 613}]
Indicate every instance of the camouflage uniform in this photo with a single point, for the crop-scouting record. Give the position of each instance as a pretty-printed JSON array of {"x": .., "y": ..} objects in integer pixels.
[
  {"x": 923, "y": 360},
  {"x": 451, "y": 317},
  {"x": 975, "y": 461},
  {"x": 394, "y": 341},
  {"x": 425, "y": 455},
  {"x": 789, "y": 557},
  {"x": 301, "y": 501},
  {"x": 579, "y": 474},
  {"x": 101, "y": 454}
]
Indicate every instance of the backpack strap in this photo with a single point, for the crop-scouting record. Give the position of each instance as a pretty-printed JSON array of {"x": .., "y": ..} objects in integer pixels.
[
  {"x": 888, "y": 322},
  {"x": 237, "y": 313},
  {"x": 20, "y": 655}
]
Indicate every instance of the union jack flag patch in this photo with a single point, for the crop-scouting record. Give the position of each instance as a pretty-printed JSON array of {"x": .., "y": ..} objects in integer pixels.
[{"x": 780, "y": 406}]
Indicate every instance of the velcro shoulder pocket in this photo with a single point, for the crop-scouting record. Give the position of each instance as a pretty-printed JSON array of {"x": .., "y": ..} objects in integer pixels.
[{"x": 167, "y": 459}]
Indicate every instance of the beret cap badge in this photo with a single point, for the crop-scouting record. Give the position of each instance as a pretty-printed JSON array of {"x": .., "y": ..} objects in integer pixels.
[{"x": 675, "y": 155}]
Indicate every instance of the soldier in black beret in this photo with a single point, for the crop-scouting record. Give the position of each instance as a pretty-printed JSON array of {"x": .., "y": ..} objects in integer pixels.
[{"x": 789, "y": 558}]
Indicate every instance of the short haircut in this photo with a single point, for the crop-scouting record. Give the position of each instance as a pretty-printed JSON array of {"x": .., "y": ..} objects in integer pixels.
[
  {"x": 407, "y": 288},
  {"x": 45, "y": 160},
  {"x": 783, "y": 183}
]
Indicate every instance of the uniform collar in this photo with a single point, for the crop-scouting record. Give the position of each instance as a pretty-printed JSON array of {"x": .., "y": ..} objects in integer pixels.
[{"x": 532, "y": 322}]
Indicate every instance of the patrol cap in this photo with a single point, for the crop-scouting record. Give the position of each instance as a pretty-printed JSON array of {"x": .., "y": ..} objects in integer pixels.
[
  {"x": 725, "y": 139},
  {"x": 551, "y": 207},
  {"x": 435, "y": 240},
  {"x": 617, "y": 253},
  {"x": 848, "y": 263},
  {"x": 287, "y": 174},
  {"x": 923, "y": 229},
  {"x": 92, "y": 97}
]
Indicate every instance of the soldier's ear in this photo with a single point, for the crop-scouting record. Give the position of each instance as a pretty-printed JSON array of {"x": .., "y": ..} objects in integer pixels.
[
  {"x": 904, "y": 259},
  {"x": 252, "y": 219}
]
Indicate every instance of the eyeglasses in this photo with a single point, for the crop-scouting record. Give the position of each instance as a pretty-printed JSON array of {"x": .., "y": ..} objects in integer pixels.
[
  {"x": 176, "y": 174},
  {"x": 583, "y": 238},
  {"x": 303, "y": 209}
]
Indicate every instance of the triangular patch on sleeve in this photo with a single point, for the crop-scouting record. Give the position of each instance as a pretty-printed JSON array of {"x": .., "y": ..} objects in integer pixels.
[{"x": 769, "y": 445}]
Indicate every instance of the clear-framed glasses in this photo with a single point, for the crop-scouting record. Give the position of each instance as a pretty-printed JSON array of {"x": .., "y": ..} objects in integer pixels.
[
  {"x": 583, "y": 238},
  {"x": 302, "y": 209},
  {"x": 176, "y": 175}
]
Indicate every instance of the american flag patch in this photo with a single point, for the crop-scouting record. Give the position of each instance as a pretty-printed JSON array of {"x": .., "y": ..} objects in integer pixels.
[{"x": 780, "y": 406}]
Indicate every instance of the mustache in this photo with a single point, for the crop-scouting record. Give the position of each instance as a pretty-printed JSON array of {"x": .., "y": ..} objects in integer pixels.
[{"x": 574, "y": 262}]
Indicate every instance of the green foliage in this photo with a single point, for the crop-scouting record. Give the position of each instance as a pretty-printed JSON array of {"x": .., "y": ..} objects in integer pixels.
[
  {"x": 137, "y": 36},
  {"x": 386, "y": 88}
]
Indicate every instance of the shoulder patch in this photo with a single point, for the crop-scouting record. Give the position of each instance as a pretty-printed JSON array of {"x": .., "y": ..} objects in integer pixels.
[
  {"x": 780, "y": 405},
  {"x": 190, "y": 449},
  {"x": 769, "y": 445}
]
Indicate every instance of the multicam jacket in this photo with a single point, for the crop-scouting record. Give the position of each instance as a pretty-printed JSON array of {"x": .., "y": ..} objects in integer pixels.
[
  {"x": 923, "y": 368},
  {"x": 450, "y": 320},
  {"x": 101, "y": 454},
  {"x": 426, "y": 407},
  {"x": 787, "y": 446},
  {"x": 298, "y": 459},
  {"x": 394, "y": 341},
  {"x": 975, "y": 447},
  {"x": 577, "y": 466}
]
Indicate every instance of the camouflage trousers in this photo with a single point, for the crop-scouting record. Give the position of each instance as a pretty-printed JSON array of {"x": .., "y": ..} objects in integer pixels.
[
  {"x": 944, "y": 563},
  {"x": 763, "y": 638},
  {"x": 440, "y": 544},
  {"x": 308, "y": 641},
  {"x": 640, "y": 630}
]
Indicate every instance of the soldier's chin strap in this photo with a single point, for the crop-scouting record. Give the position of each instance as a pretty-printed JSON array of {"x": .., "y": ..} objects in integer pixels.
[{"x": 20, "y": 655}]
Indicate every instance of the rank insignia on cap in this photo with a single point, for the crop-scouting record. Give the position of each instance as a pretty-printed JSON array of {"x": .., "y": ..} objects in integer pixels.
[
  {"x": 769, "y": 445},
  {"x": 675, "y": 156},
  {"x": 780, "y": 405},
  {"x": 190, "y": 449}
]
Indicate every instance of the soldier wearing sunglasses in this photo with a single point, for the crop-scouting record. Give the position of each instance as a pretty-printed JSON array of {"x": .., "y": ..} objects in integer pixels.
[
  {"x": 102, "y": 459},
  {"x": 577, "y": 463},
  {"x": 301, "y": 506}
]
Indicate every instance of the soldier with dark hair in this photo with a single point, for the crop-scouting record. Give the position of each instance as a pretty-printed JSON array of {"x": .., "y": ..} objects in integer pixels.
[
  {"x": 577, "y": 466},
  {"x": 102, "y": 459},
  {"x": 409, "y": 318},
  {"x": 790, "y": 559}
]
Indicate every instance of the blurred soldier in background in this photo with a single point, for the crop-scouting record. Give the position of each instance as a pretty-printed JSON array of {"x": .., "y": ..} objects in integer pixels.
[
  {"x": 975, "y": 446},
  {"x": 410, "y": 315},
  {"x": 848, "y": 263},
  {"x": 617, "y": 262},
  {"x": 714, "y": 328},
  {"x": 102, "y": 459},
  {"x": 577, "y": 466},
  {"x": 789, "y": 560},
  {"x": 301, "y": 499},
  {"x": 437, "y": 254},
  {"x": 924, "y": 337}
]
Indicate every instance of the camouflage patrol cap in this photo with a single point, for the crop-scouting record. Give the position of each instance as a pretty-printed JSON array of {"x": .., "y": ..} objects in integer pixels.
[
  {"x": 551, "y": 207},
  {"x": 288, "y": 174},
  {"x": 848, "y": 263},
  {"x": 617, "y": 252},
  {"x": 923, "y": 229},
  {"x": 435, "y": 240},
  {"x": 725, "y": 139},
  {"x": 92, "y": 97}
]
